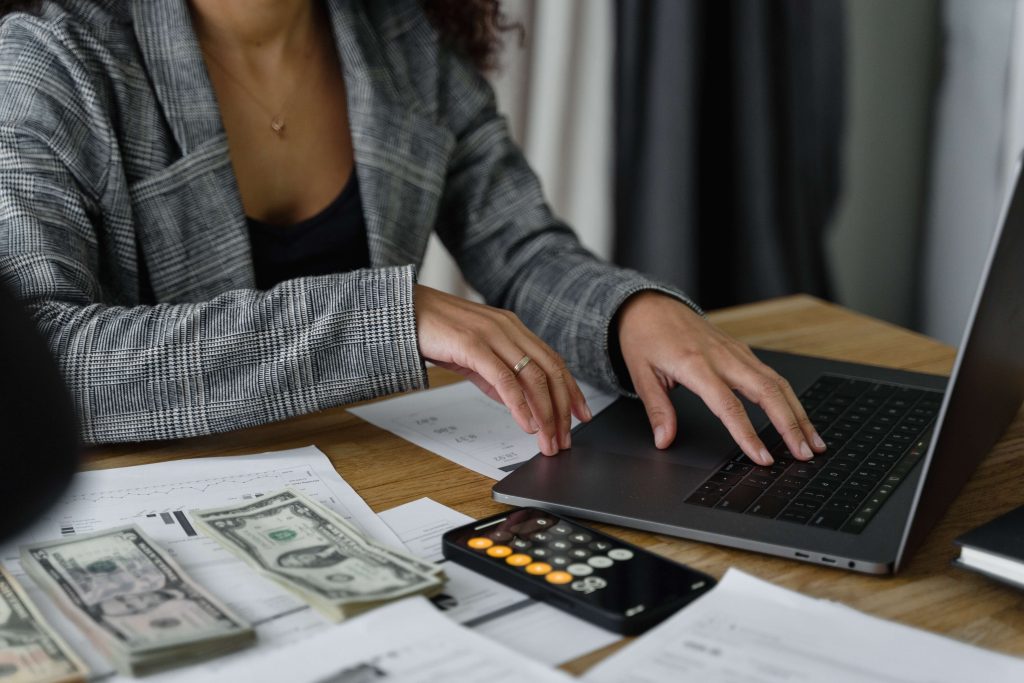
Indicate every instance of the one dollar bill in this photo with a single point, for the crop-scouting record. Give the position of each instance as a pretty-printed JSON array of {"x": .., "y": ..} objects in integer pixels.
[
  {"x": 30, "y": 650},
  {"x": 133, "y": 601},
  {"x": 315, "y": 554}
]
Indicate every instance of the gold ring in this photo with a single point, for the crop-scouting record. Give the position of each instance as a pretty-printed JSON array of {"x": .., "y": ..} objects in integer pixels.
[{"x": 520, "y": 365}]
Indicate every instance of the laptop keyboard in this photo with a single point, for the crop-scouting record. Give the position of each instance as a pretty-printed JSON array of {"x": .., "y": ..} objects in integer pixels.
[{"x": 875, "y": 434}]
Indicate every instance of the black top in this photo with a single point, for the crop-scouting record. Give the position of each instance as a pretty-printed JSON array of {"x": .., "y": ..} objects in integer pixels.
[{"x": 333, "y": 241}]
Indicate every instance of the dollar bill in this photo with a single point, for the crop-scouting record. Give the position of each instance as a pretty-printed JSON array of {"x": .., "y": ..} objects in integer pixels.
[
  {"x": 133, "y": 601},
  {"x": 30, "y": 650},
  {"x": 314, "y": 553}
]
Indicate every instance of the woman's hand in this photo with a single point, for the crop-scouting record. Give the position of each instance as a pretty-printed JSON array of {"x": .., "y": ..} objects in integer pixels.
[
  {"x": 664, "y": 343},
  {"x": 484, "y": 344}
]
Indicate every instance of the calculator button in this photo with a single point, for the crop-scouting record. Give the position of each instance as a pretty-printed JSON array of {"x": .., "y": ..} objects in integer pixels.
[
  {"x": 579, "y": 553},
  {"x": 600, "y": 562},
  {"x": 580, "y": 569},
  {"x": 542, "y": 522},
  {"x": 541, "y": 552},
  {"x": 521, "y": 544},
  {"x": 559, "y": 577},
  {"x": 499, "y": 536},
  {"x": 580, "y": 538},
  {"x": 479, "y": 543},
  {"x": 538, "y": 568},
  {"x": 541, "y": 536},
  {"x": 561, "y": 529},
  {"x": 560, "y": 560},
  {"x": 600, "y": 546},
  {"x": 519, "y": 560},
  {"x": 499, "y": 551},
  {"x": 561, "y": 545},
  {"x": 620, "y": 554}
]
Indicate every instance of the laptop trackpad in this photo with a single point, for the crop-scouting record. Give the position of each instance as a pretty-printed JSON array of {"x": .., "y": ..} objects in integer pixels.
[{"x": 702, "y": 441}]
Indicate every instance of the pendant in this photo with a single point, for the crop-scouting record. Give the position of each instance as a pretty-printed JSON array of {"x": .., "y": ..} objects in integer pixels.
[{"x": 277, "y": 125}]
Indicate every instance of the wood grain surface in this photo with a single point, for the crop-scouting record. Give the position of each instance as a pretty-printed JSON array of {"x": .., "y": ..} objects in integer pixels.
[{"x": 928, "y": 594}]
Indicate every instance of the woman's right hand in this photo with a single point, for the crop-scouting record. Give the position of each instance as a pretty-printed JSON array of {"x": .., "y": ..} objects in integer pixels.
[{"x": 484, "y": 344}]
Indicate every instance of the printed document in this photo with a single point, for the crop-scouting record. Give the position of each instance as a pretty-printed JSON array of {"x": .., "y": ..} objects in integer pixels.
[
  {"x": 461, "y": 424},
  {"x": 746, "y": 629}
]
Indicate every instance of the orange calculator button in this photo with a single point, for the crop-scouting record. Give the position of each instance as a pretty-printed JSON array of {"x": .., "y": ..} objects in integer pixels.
[
  {"x": 499, "y": 551},
  {"x": 479, "y": 543},
  {"x": 538, "y": 568},
  {"x": 519, "y": 560},
  {"x": 559, "y": 577}
]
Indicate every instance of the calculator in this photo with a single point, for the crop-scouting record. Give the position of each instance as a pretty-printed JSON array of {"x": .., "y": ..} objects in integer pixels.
[{"x": 597, "y": 577}]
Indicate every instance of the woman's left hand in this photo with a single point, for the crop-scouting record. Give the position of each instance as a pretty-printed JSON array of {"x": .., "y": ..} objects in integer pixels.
[{"x": 665, "y": 343}]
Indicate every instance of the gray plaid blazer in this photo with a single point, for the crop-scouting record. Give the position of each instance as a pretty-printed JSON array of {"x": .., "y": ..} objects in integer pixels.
[{"x": 114, "y": 167}]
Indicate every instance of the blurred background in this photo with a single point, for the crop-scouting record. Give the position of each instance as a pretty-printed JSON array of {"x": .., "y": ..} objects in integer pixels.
[{"x": 857, "y": 150}]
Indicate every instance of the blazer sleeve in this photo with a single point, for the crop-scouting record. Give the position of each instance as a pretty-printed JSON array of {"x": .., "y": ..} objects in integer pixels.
[
  {"x": 165, "y": 371},
  {"x": 510, "y": 247}
]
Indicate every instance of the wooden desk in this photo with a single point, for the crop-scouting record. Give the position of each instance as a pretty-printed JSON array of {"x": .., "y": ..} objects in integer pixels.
[{"x": 929, "y": 594}]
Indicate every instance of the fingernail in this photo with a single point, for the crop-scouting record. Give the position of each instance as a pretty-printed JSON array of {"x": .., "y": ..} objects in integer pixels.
[
  {"x": 587, "y": 415},
  {"x": 818, "y": 442},
  {"x": 659, "y": 436},
  {"x": 534, "y": 427},
  {"x": 766, "y": 457},
  {"x": 806, "y": 451}
]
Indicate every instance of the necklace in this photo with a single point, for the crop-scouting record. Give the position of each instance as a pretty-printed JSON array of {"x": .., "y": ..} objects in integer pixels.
[{"x": 277, "y": 119}]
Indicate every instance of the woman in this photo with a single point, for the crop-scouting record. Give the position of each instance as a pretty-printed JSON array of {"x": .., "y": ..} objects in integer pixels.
[{"x": 164, "y": 171}]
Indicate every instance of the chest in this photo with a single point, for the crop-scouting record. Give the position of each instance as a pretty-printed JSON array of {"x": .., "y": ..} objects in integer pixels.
[{"x": 290, "y": 146}]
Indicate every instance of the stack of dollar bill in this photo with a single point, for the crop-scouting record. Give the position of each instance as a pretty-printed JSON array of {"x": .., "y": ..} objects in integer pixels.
[
  {"x": 133, "y": 601},
  {"x": 30, "y": 650},
  {"x": 314, "y": 553}
]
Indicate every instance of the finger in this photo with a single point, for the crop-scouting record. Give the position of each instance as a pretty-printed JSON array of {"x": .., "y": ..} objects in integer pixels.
[
  {"x": 764, "y": 387},
  {"x": 553, "y": 364},
  {"x": 806, "y": 425},
  {"x": 660, "y": 411},
  {"x": 537, "y": 388},
  {"x": 729, "y": 409},
  {"x": 482, "y": 360},
  {"x": 558, "y": 379}
]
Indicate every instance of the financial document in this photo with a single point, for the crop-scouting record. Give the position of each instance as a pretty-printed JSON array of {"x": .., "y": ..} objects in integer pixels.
[
  {"x": 405, "y": 642},
  {"x": 492, "y": 609},
  {"x": 747, "y": 629},
  {"x": 157, "y": 497},
  {"x": 461, "y": 424}
]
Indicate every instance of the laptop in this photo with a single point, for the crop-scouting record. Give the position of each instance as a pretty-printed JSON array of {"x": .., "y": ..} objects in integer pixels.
[{"x": 901, "y": 446}]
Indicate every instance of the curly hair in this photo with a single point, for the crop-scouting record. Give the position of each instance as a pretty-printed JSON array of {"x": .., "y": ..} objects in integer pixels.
[{"x": 472, "y": 28}]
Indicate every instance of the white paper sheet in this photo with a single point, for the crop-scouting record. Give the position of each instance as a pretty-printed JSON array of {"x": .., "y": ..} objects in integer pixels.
[
  {"x": 157, "y": 497},
  {"x": 746, "y": 629},
  {"x": 461, "y": 424},
  {"x": 406, "y": 642},
  {"x": 507, "y": 616}
]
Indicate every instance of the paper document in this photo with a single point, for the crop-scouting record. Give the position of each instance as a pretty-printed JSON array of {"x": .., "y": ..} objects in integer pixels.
[
  {"x": 461, "y": 424},
  {"x": 156, "y": 498},
  {"x": 405, "y": 642},
  {"x": 746, "y": 629},
  {"x": 490, "y": 608}
]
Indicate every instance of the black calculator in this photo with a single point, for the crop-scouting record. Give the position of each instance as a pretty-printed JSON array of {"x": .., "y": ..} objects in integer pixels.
[{"x": 592, "y": 575}]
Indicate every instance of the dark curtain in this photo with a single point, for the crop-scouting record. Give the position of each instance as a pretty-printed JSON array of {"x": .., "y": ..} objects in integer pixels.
[{"x": 728, "y": 126}]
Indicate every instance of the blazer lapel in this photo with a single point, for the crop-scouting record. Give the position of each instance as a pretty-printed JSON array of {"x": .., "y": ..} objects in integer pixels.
[
  {"x": 401, "y": 152},
  {"x": 192, "y": 228}
]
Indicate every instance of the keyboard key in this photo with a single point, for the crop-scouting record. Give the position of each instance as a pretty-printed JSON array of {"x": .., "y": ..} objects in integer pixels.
[
  {"x": 829, "y": 519},
  {"x": 703, "y": 499},
  {"x": 851, "y": 388},
  {"x": 739, "y": 499},
  {"x": 843, "y": 505},
  {"x": 834, "y": 474},
  {"x": 796, "y": 515},
  {"x": 851, "y": 495},
  {"x": 757, "y": 479},
  {"x": 783, "y": 491},
  {"x": 736, "y": 468},
  {"x": 725, "y": 478},
  {"x": 807, "y": 503},
  {"x": 767, "y": 506}
]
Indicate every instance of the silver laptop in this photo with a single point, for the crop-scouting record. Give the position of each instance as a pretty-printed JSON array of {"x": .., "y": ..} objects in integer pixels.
[{"x": 901, "y": 447}]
